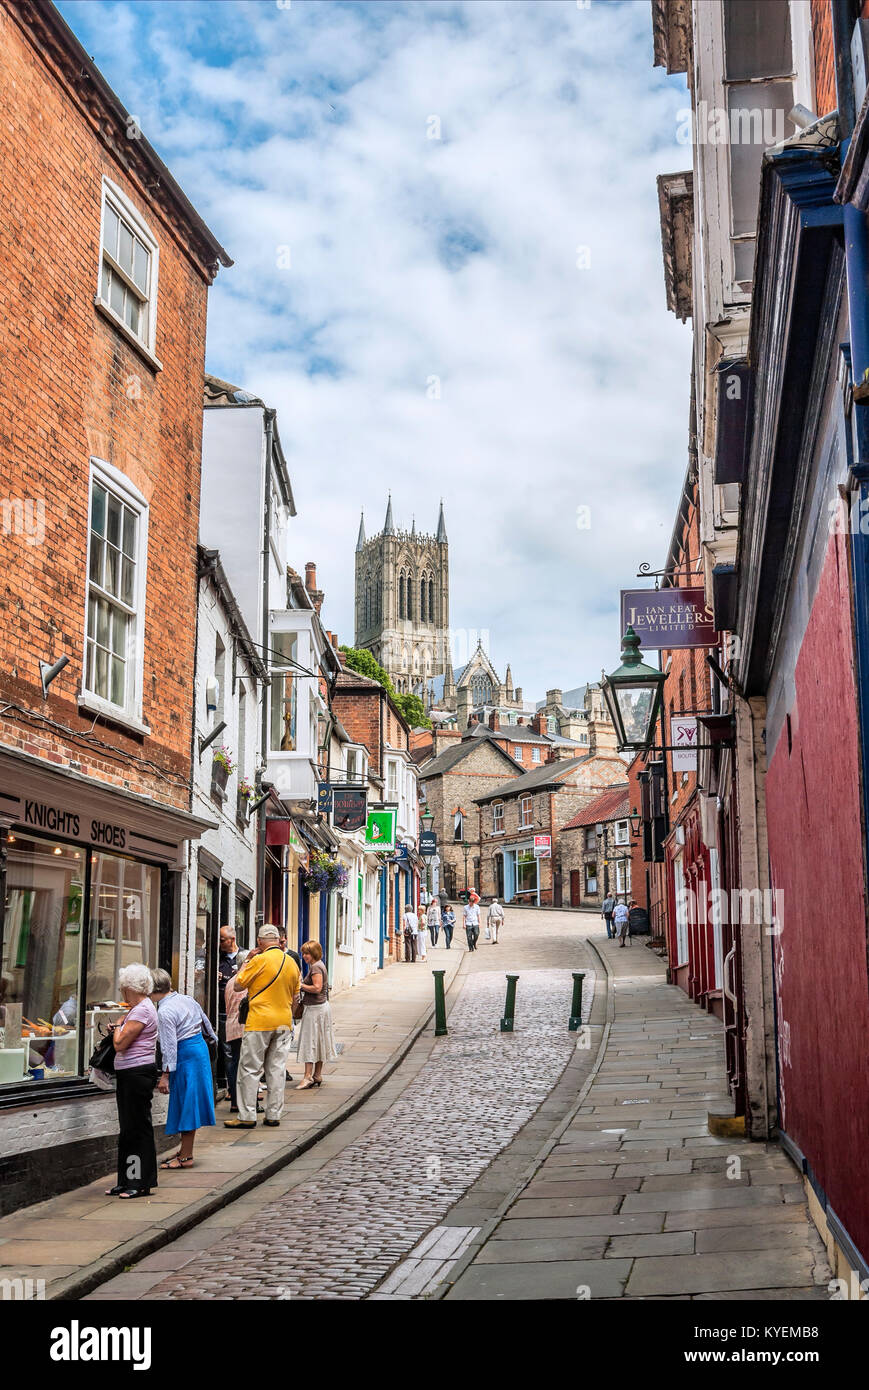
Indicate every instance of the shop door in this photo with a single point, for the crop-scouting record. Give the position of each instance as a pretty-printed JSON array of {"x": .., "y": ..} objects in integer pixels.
[
  {"x": 499, "y": 877},
  {"x": 574, "y": 888}
]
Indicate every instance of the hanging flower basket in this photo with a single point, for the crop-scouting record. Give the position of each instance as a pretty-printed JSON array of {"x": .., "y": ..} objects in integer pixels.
[
  {"x": 223, "y": 758},
  {"x": 246, "y": 789},
  {"x": 323, "y": 874}
]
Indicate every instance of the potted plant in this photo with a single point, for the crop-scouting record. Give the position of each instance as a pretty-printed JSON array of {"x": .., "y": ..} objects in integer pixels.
[
  {"x": 221, "y": 766},
  {"x": 323, "y": 873}
]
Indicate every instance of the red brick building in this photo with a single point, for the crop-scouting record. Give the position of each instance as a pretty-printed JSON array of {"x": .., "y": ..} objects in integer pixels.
[{"x": 106, "y": 274}]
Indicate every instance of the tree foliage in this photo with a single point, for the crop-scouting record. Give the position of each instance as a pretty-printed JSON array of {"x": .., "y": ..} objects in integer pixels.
[{"x": 411, "y": 706}]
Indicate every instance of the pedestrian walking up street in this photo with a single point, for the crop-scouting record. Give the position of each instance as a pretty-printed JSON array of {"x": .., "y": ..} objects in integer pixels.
[
  {"x": 622, "y": 922},
  {"x": 495, "y": 919},
  {"x": 135, "y": 1042},
  {"x": 187, "y": 1077},
  {"x": 608, "y": 907},
  {"x": 410, "y": 927},
  {"x": 316, "y": 1038},
  {"x": 433, "y": 920},
  {"x": 272, "y": 981},
  {"x": 448, "y": 922},
  {"x": 234, "y": 1032},
  {"x": 471, "y": 917}
]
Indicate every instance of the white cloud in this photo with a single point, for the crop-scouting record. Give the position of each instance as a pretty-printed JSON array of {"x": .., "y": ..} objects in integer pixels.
[{"x": 561, "y": 387}]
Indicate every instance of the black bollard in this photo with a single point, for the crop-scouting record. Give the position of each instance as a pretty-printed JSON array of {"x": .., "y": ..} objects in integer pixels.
[
  {"x": 440, "y": 1004},
  {"x": 509, "y": 1005},
  {"x": 576, "y": 1007}
]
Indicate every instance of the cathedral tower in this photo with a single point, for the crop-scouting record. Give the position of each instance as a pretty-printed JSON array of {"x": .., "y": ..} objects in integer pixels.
[{"x": 403, "y": 602}]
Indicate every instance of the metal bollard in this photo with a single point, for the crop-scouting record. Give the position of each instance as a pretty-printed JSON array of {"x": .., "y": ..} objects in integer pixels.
[
  {"x": 509, "y": 1005},
  {"x": 440, "y": 1004},
  {"x": 576, "y": 1007}
]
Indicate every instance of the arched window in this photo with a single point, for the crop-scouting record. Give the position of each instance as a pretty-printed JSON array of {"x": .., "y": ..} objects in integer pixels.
[
  {"x": 423, "y": 595},
  {"x": 409, "y": 597},
  {"x": 378, "y": 598},
  {"x": 481, "y": 689},
  {"x": 402, "y": 607},
  {"x": 431, "y": 606}
]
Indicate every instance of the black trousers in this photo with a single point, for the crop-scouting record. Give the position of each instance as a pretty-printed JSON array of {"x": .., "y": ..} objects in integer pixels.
[
  {"x": 448, "y": 933},
  {"x": 233, "y": 1053},
  {"x": 137, "y": 1152},
  {"x": 472, "y": 933}
]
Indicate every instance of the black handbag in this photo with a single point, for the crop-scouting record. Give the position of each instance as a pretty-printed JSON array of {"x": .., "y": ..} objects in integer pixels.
[
  {"x": 244, "y": 1006},
  {"x": 103, "y": 1058}
]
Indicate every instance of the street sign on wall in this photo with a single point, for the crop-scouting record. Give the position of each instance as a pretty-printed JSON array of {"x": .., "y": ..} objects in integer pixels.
[
  {"x": 669, "y": 618},
  {"x": 683, "y": 736},
  {"x": 542, "y": 846},
  {"x": 380, "y": 830},
  {"x": 349, "y": 808}
]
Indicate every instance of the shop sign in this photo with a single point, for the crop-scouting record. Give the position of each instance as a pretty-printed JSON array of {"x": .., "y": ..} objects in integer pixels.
[
  {"x": 683, "y": 736},
  {"x": 428, "y": 843},
  {"x": 380, "y": 830},
  {"x": 349, "y": 808},
  {"x": 542, "y": 846},
  {"x": 72, "y": 826},
  {"x": 669, "y": 618},
  {"x": 324, "y": 798}
]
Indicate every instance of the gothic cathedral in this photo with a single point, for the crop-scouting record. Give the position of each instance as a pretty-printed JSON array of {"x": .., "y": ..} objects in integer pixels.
[{"x": 403, "y": 602}]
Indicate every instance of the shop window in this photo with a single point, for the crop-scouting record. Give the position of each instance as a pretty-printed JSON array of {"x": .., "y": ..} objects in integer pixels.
[
  {"x": 115, "y": 593},
  {"x": 344, "y": 924},
  {"x": 206, "y": 932},
  {"x": 284, "y": 711},
  {"x": 51, "y": 926},
  {"x": 526, "y": 873},
  {"x": 242, "y": 918}
]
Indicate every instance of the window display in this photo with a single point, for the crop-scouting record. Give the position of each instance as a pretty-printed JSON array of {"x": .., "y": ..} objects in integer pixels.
[{"x": 66, "y": 905}]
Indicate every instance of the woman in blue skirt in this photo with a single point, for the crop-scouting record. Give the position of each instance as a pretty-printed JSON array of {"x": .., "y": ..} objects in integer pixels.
[{"x": 187, "y": 1077}]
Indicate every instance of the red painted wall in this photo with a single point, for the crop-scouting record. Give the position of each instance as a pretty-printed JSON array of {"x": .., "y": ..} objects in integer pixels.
[{"x": 815, "y": 845}]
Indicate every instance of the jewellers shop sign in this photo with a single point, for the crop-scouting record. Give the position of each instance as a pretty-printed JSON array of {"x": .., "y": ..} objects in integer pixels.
[{"x": 669, "y": 618}]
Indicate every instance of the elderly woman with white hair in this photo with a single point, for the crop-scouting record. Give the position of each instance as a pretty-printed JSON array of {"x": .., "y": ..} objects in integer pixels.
[
  {"x": 187, "y": 1077},
  {"x": 135, "y": 1040}
]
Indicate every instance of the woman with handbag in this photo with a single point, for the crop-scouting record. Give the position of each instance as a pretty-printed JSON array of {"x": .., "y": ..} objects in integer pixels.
[
  {"x": 135, "y": 1065},
  {"x": 187, "y": 1076},
  {"x": 316, "y": 1039},
  {"x": 234, "y": 1032}
]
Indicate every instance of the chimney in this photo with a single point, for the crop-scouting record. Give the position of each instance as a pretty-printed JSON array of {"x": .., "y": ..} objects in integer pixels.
[
  {"x": 538, "y": 723},
  {"x": 314, "y": 594},
  {"x": 334, "y": 639},
  {"x": 494, "y": 720},
  {"x": 520, "y": 720}
]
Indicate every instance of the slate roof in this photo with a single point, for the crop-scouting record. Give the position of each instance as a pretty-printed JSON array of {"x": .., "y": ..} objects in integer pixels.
[
  {"x": 451, "y": 756},
  {"x": 613, "y": 804},
  {"x": 550, "y": 774}
]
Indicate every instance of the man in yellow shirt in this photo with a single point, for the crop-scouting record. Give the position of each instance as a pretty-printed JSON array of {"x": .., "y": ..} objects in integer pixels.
[{"x": 272, "y": 980}]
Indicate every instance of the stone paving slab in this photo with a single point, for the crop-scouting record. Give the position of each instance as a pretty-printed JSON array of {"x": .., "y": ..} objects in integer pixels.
[{"x": 679, "y": 1226}]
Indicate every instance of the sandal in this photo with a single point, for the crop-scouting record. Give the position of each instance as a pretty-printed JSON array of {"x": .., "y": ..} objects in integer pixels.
[
  {"x": 115, "y": 1191},
  {"x": 307, "y": 1084},
  {"x": 135, "y": 1192},
  {"x": 176, "y": 1161}
]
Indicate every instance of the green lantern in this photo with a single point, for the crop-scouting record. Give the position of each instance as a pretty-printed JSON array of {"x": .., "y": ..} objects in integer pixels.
[{"x": 633, "y": 694}]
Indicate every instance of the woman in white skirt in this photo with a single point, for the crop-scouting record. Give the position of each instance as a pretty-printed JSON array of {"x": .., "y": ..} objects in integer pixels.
[{"x": 316, "y": 1040}]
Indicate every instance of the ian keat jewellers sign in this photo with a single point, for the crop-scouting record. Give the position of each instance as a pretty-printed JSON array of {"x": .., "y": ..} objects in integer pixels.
[{"x": 669, "y": 618}]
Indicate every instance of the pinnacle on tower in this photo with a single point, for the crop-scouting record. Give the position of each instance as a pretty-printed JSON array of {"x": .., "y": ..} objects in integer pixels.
[
  {"x": 442, "y": 526},
  {"x": 413, "y": 527},
  {"x": 360, "y": 540},
  {"x": 389, "y": 524}
]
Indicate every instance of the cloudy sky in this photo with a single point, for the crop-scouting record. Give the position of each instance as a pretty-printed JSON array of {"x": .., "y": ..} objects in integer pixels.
[{"x": 447, "y": 279}]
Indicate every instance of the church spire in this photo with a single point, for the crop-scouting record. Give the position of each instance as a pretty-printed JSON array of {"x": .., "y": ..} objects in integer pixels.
[
  {"x": 413, "y": 527},
  {"x": 360, "y": 540},
  {"x": 389, "y": 524},
  {"x": 442, "y": 526}
]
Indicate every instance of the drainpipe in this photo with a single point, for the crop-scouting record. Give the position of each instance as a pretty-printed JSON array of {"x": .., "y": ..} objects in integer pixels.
[{"x": 264, "y": 726}]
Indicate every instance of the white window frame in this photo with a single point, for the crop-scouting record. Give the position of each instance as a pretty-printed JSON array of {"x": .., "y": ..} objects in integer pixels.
[
  {"x": 497, "y": 819},
  {"x": 623, "y": 832},
  {"x": 526, "y": 811},
  {"x": 392, "y": 784},
  {"x": 344, "y": 922},
  {"x": 130, "y": 713},
  {"x": 125, "y": 209},
  {"x": 535, "y": 753}
]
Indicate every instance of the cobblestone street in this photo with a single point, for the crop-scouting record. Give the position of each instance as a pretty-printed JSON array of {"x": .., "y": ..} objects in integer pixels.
[{"x": 452, "y": 1107}]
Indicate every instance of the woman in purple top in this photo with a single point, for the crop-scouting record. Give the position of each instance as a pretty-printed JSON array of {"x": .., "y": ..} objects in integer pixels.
[{"x": 136, "y": 1074}]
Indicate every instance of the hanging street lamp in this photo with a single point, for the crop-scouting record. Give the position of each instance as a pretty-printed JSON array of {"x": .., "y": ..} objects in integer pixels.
[{"x": 634, "y": 694}]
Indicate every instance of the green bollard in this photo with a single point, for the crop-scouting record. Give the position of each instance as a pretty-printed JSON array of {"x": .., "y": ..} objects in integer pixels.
[
  {"x": 576, "y": 1007},
  {"x": 440, "y": 1004},
  {"x": 509, "y": 1005}
]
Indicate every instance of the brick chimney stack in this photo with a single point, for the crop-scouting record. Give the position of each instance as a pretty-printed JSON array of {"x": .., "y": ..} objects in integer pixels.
[
  {"x": 538, "y": 723},
  {"x": 314, "y": 594},
  {"x": 494, "y": 720}
]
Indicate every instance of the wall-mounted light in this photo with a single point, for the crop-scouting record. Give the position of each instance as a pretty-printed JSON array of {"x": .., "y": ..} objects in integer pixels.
[
  {"x": 212, "y": 693},
  {"x": 48, "y": 673}
]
